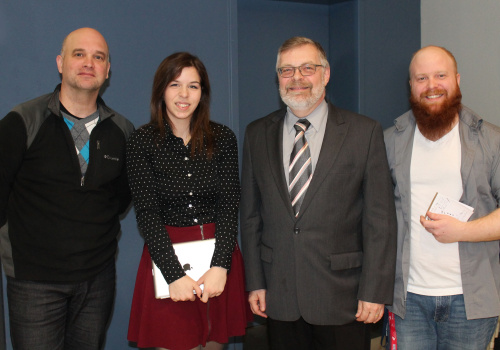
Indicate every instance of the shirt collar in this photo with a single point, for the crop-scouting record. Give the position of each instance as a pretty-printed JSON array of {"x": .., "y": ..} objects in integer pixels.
[{"x": 316, "y": 118}]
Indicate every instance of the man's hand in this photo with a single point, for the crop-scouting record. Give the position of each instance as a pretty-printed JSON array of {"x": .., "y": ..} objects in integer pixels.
[
  {"x": 444, "y": 228},
  {"x": 369, "y": 312},
  {"x": 182, "y": 289},
  {"x": 214, "y": 281},
  {"x": 257, "y": 300}
]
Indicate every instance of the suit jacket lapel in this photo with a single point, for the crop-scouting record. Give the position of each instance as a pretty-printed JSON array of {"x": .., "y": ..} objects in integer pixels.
[
  {"x": 335, "y": 133},
  {"x": 274, "y": 139}
]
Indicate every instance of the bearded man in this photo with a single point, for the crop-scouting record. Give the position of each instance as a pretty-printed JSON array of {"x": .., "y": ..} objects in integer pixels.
[
  {"x": 317, "y": 214},
  {"x": 447, "y": 287}
]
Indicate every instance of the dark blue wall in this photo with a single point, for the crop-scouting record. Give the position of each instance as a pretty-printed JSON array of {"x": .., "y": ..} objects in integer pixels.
[
  {"x": 389, "y": 33},
  {"x": 344, "y": 55},
  {"x": 263, "y": 26}
]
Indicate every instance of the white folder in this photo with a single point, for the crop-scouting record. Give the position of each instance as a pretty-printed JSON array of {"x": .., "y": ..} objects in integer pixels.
[{"x": 195, "y": 258}]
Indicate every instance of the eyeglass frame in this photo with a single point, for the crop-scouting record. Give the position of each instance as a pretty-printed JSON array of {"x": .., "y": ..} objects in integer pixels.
[{"x": 280, "y": 69}]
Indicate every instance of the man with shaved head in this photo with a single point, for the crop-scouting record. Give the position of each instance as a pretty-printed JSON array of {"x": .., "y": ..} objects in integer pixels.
[
  {"x": 62, "y": 187},
  {"x": 446, "y": 294}
]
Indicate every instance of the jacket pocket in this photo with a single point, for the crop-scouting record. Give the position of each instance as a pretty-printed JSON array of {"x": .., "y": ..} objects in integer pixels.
[
  {"x": 266, "y": 253},
  {"x": 346, "y": 260}
]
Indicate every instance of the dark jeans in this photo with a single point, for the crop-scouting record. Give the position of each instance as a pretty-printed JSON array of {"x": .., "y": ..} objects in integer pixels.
[
  {"x": 300, "y": 335},
  {"x": 57, "y": 316}
]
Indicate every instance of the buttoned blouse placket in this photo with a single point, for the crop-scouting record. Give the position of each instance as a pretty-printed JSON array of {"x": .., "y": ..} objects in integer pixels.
[{"x": 189, "y": 173}]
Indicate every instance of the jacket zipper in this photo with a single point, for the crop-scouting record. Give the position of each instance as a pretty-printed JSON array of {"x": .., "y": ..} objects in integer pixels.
[
  {"x": 98, "y": 147},
  {"x": 201, "y": 231}
]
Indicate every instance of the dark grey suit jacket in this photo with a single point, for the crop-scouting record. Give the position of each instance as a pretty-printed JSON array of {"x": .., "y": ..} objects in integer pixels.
[{"x": 342, "y": 247}]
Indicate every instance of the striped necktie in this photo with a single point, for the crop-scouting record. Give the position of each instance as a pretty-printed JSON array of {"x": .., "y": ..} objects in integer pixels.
[{"x": 300, "y": 168}]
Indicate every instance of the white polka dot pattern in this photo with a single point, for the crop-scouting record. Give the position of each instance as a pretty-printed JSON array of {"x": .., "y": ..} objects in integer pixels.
[{"x": 169, "y": 187}]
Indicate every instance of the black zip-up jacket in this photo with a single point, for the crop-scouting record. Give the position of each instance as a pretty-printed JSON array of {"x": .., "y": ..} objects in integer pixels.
[{"x": 56, "y": 225}]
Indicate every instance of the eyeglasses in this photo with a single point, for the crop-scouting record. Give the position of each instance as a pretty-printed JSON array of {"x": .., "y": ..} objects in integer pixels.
[{"x": 305, "y": 70}]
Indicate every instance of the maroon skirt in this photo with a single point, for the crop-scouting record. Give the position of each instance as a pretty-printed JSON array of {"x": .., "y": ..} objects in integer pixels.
[{"x": 186, "y": 324}]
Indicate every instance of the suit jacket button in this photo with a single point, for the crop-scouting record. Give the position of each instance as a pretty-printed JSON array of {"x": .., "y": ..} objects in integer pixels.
[{"x": 296, "y": 230}]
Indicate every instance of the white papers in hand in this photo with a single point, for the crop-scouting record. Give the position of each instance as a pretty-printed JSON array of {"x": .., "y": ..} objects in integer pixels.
[{"x": 442, "y": 204}]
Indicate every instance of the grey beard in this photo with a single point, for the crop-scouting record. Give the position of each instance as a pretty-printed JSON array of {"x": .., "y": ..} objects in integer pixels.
[{"x": 301, "y": 104}]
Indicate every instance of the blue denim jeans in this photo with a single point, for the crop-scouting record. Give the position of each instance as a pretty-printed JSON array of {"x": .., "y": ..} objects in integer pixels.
[
  {"x": 440, "y": 323},
  {"x": 57, "y": 316}
]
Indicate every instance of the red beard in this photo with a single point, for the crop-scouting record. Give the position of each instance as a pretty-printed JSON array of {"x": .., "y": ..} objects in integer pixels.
[{"x": 434, "y": 124}]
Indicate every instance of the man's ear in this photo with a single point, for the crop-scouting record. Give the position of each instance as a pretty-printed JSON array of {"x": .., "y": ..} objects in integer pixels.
[
  {"x": 59, "y": 61},
  {"x": 326, "y": 75}
]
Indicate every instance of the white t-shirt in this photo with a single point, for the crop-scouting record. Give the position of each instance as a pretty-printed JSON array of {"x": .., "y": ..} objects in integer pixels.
[{"x": 435, "y": 167}]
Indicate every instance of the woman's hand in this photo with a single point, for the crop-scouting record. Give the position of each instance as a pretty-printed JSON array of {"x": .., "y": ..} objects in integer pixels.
[
  {"x": 214, "y": 281},
  {"x": 182, "y": 289}
]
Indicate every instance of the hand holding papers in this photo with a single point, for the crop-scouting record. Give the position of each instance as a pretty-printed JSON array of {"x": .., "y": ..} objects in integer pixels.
[
  {"x": 447, "y": 219},
  {"x": 442, "y": 204}
]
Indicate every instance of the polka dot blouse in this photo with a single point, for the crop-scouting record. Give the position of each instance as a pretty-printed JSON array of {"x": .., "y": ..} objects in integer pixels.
[{"x": 169, "y": 187}]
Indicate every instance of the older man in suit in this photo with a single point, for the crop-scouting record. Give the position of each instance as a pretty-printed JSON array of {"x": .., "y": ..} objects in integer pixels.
[{"x": 317, "y": 213}]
